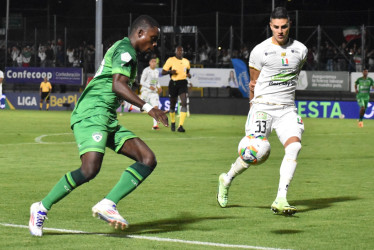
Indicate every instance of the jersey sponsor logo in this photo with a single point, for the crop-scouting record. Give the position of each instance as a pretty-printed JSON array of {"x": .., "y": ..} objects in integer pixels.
[
  {"x": 261, "y": 116},
  {"x": 283, "y": 77},
  {"x": 126, "y": 57},
  {"x": 295, "y": 51},
  {"x": 97, "y": 136},
  {"x": 286, "y": 83},
  {"x": 268, "y": 53}
]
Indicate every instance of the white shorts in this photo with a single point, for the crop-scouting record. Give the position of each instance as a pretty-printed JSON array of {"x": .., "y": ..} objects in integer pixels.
[
  {"x": 151, "y": 98},
  {"x": 263, "y": 118}
]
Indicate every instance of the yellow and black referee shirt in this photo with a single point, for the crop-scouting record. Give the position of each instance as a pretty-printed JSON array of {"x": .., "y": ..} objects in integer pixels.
[
  {"x": 46, "y": 86},
  {"x": 179, "y": 65}
]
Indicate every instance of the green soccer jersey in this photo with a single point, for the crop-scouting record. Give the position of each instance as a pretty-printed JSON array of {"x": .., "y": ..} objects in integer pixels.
[
  {"x": 98, "y": 97},
  {"x": 363, "y": 86}
]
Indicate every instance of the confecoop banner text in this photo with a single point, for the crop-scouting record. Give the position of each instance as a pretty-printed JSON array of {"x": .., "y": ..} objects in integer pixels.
[{"x": 69, "y": 76}]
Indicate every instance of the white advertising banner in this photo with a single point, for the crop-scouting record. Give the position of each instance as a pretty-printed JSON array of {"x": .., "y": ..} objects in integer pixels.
[
  {"x": 355, "y": 75},
  {"x": 323, "y": 80},
  {"x": 207, "y": 77}
]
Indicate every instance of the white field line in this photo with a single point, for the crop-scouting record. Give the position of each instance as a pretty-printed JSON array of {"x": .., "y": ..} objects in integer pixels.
[
  {"x": 39, "y": 139},
  {"x": 191, "y": 242}
]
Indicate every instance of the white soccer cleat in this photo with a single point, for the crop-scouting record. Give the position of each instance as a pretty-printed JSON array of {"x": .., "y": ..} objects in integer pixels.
[
  {"x": 107, "y": 211},
  {"x": 37, "y": 216},
  {"x": 223, "y": 191},
  {"x": 281, "y": 206}
]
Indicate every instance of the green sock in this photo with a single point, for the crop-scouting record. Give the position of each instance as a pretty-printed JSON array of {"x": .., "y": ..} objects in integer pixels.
[
  {"x": 59, "y": 191},
  {"x": 130, "y": 179},
  {"x": 66, "y": 184}
]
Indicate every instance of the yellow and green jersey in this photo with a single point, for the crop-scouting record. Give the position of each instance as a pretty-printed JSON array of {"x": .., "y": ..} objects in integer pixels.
[
  {"x": 98, "y": 97},
  {"x": 363, "y": 87}
]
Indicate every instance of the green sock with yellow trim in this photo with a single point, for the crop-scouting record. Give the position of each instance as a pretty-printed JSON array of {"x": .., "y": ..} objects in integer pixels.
[
  {"x": 130, "y": 179},
  {"x": 65, "y": 185}
]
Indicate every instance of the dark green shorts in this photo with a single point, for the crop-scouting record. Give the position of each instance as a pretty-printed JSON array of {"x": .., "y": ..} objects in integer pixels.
[{"x": 99, "y": 131}]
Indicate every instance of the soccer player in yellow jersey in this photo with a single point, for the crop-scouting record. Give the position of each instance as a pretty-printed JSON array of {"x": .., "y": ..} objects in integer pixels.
[
  {"x": 179, "y": 69},
  {"x": 45, "y": 93}
]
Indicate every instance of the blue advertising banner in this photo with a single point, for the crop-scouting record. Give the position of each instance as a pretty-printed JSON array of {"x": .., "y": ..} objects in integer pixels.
[
  {"x": 163, "y": 104},
  {"x": 332, "y": 109},
  {"x": 58, "y": 101},
  {"x": 312, "y": 109},
  {"x": 242, "y": 76},
  {"x": 72, "y": 76}
]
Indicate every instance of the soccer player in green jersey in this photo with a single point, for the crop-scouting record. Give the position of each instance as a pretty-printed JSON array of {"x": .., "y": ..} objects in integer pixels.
[
  {"x": 95, "y": 126},
  {"x": 362, "y": 87}
]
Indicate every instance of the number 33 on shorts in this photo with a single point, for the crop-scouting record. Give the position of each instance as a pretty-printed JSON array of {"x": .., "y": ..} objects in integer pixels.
[{"x": 259, "y": 124}]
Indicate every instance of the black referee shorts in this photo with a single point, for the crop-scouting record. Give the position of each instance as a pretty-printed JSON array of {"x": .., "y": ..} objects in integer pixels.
[
  {"x": 45, "y": 95},
  {"x": 177, "y": 88}
]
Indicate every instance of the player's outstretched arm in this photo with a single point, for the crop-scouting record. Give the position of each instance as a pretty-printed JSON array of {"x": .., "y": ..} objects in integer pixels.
[{"x": 121, "y": 88}]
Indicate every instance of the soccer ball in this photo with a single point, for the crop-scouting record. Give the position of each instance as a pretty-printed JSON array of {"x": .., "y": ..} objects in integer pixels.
[{"x": 253, "y": 149}]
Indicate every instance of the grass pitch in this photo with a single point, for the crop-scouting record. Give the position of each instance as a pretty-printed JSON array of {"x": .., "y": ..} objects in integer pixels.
[{"x": 332, "y": 187}]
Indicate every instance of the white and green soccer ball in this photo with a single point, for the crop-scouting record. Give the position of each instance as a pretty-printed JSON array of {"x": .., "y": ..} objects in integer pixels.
[{"x": 254, "y": 150}]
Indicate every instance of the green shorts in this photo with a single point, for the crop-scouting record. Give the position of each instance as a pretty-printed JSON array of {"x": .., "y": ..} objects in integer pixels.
[
  {"x": 363, "y": 101},
  {"x": 99, "y": 131}
]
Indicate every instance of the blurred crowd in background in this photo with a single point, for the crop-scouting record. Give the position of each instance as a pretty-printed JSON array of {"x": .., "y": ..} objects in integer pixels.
[{"x": 345, "y": 57}]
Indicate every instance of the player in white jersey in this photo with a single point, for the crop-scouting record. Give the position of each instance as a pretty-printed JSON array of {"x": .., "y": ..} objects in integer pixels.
[
  {"x": 274, "y": 68},
  {"x": 151, "y": 87}
]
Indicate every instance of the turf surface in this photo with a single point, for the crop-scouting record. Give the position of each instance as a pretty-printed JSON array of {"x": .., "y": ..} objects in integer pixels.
[{"x": 332, "y": 187}]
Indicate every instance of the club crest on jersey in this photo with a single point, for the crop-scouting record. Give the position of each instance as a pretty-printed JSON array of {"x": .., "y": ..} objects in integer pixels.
[
  {"x": 97, "y": 136},
  {"x": 284, "y": 62},
  {"x": 283, "y": 54}
]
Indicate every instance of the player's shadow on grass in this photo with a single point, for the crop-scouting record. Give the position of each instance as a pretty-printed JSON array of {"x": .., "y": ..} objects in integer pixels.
[
  {"x": 178, "y": 223},
  {"x": 315, "y": 204},
  {"x": 322, "y": 203},
  {"x": 287, "y": 231}
]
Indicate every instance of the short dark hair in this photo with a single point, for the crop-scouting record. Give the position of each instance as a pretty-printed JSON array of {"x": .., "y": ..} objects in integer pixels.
[
  {"x": 153, "y": 56},
  {"x": 144, "y": 22},
  {"x": 279, "y": 13}
]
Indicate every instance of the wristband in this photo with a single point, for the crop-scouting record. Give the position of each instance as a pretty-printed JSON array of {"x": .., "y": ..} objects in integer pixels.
[{"x": 147, "y": 107}]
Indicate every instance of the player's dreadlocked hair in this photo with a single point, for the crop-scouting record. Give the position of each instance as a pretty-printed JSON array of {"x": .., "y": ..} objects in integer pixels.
[
  {"x": 143, "y": 21},
  {"x": 279, "y": 13}
]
